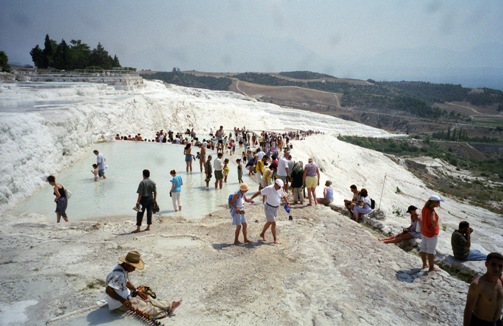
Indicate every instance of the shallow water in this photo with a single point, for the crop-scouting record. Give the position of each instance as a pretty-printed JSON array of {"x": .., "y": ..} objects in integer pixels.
[{"x": 117, "y": 194}]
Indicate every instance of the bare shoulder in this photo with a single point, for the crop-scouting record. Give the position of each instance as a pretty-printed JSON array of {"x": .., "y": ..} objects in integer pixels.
[{"x": 476, "y": 281}]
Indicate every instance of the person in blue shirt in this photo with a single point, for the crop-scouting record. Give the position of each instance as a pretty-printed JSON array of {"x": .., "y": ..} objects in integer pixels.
[
  {"x": 176, "y": 189},
  {"x": 328, "y": 194}
]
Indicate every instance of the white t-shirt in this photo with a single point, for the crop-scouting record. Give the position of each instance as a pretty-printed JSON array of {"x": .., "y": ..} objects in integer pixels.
[
  {"x": 273, "y": 196},
  {"x": 260, "y": 155},
  {"x": 282, "y": 166},
  {"x": 218, "y": 165},
  {"x": 117, "y": 279},
  {"x": 367, "y": 201},
  {"x": 100, "y": 160}
]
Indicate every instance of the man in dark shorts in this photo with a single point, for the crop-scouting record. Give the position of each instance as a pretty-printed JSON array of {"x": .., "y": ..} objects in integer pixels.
[
  {"x": 208, "y": 170},
  {"x": 218, "y": 165},
  {"x": 147, "y": 197}
]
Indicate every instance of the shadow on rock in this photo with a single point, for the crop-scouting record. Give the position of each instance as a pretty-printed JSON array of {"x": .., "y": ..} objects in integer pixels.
[{"x": 409, "y": 275}]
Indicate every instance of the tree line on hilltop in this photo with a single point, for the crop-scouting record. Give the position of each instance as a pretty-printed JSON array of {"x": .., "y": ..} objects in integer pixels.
[
  {"x": 189, "y": 80},
  {"x": 414, "y": 98},
  {"x": 76, "y": 55}
]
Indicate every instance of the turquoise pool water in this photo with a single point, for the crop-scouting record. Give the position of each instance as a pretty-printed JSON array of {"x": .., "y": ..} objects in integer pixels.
[{"x": 116, "y": 195}]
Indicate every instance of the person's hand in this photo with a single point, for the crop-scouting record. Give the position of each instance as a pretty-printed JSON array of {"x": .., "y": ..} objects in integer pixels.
[
  {"x": 470, "y": 230},
  {"x": 137, "y": 205},
  {"x": 142, "y": 295},
  {"x": 127, "y": 303}
]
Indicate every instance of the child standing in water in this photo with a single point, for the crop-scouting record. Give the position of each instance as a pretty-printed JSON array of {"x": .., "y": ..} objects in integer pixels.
[
  {"x": 240, "y": 170},
  {"x": 226, "y": 169},
  {"x": 94, "y": 171}
]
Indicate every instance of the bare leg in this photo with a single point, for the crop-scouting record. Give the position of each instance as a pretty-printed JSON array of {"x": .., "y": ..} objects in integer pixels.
[
  {"x": 273, "y": 230},
  {"x": 58, "y": 217},
  {"x": 245, "y": 233},
  {"x": 423, "y": 258},
  {"x": 266, "y": 226},
  {"x": 431, "y": 262},
  {"x": 313, "y": 191},
  {"x": 309, "y": 193},
  {"x": 398, "y": 238},
  {"x": 236, "y": 235}
]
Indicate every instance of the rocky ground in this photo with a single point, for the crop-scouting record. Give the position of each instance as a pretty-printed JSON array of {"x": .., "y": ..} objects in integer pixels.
[{"x": 327, "y": 270}]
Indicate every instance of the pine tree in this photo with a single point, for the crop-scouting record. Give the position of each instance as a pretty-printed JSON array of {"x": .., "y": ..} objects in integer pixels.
[
  {"x": 37, "y": 56},
  {"x": 4, "y": 62},
  {"x": 61, "y": 57}
]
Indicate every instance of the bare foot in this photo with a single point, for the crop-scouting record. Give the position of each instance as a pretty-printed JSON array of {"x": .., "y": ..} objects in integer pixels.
[
  {"x": 433, "y": 270},
  {"x": 174, "y": 305},
  {"x": 147, "y": 228},
  {"x": 237, "y": 243},
  {"x": 309, "y": 205},
  {"x": 276, "y": 242},
  {"x": 248, "y": 241},
  {"x": 424, "y": 267},
  {"x": 263, "y": 237},
  {"x": 136, "y": 231}
]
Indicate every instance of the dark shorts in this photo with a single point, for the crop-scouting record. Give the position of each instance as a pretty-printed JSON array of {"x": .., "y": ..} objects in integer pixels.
[
  {"x": 101, "y": 173},
  {"x": 476, "y": 321},
  {"x": 219, "y": 175},
  {"x": 208, "y": 177},
  {"x": 220, "y": 141},
  {"x": 61, "y": 206}
]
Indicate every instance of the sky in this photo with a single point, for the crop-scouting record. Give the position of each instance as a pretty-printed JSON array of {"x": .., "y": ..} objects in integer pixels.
[{"x": 454, "y": 41}]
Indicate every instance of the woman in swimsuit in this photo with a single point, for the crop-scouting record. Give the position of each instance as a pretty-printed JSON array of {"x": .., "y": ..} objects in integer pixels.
[{"x": 61, "y": 200}]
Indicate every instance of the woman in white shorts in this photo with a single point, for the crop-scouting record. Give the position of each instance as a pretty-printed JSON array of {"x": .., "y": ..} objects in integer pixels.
[
  {"x": 430, "y": 229},
  {"x": 238, "y": 214}
]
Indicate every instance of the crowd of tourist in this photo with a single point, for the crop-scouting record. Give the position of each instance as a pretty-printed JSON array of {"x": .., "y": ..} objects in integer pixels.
[{"x": 283, "y": 181}]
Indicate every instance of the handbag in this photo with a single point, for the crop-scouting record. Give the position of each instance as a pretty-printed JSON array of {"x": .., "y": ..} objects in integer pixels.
[
  {"x": 68, "y": 193},
  {"x": 156, "y": 208}
]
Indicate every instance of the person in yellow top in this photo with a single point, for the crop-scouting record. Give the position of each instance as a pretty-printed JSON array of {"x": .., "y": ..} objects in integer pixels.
[
  {"x": 226, "y": 169},
  {"x": 267, "y": 177},
  {"x": 260, "y": 170}
]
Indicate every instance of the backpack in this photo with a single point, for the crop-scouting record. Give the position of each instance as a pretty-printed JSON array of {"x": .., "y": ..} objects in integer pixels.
[
  {"x": 230, "y": 198},
  {"x": 372, "y": 203}
]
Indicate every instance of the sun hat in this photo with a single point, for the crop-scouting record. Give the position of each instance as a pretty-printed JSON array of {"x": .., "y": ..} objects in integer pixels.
[
  {"x": 244, "y": 187},
  {"x": 435, "y": 198},
  {"x": 279, "y": 182},
  {"x": 411, "y": 208},
  {"x": 328, "y": 183},
  {"x": 133, "y": 258}
]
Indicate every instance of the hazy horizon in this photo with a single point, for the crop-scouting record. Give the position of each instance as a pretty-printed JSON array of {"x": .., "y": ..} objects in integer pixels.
[{"x": 448, "y": 41}]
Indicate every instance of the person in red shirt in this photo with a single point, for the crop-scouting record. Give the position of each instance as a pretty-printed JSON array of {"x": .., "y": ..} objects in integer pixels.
[{"x": 429, "y": 229}]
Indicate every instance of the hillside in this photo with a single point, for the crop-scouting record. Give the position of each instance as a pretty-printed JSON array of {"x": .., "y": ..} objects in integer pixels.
[
  {"x": 462, "y": 126},
  {"x": 402, "y": 107}
]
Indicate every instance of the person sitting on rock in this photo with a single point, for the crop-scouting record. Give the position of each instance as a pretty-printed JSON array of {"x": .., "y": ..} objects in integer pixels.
[
  {"x": 461, "y": 241},
  {"x": 328, "y": 194},
  {"x": 122, "y": 294},
  {"x": 364, "y": 206},
  {"x": 408, "y": 233},
  {"x": 354, "y": 200}
]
